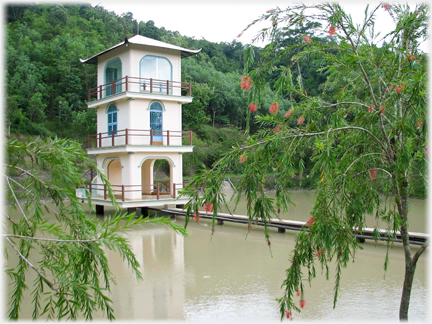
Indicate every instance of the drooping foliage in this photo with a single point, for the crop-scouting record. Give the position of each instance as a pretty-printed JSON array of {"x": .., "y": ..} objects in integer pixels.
[
  {"x": 54, "y": 249},
  {"x": 366, "y": 143}
]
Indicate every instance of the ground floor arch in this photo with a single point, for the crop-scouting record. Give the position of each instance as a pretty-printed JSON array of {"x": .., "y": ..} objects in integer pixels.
[
  {"x": 114, "y": 171},
  {"x": 153, "y": 182},
  {"x": 135, "y": 175}
]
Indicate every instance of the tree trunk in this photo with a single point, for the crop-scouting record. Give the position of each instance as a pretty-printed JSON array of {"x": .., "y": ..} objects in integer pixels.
[
  {"x": 406, "y": 291},
  {"x": 402, "y": 204}
]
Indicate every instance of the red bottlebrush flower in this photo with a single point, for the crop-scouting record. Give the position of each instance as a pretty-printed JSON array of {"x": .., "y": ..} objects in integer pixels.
[
  {"x": 208, "y": 207},
  {"x": 382, "y": 109},
  {"x": 427, "y": 150},
  {"x": 240, "y": 35},
  {"x": 288, "y": 314},
  {"x": 307, "y": 39},
  {"x": 319, "y": 253},
  {"x": 270, "y": 11},
  {"x": 243, "y": 158},
  {"x": 311, "y": 221},
  {"x": 400, "y": 88},
  {"x": 386, "y": 6},
  {"x": 298, "y": 292},
  {"x": 332, "y": 30},
  {"x": 277, "y": 129},
  {"x": 300, "y": 120},
  {"x": 410, "y": 58},
  {"x": 371, "y": 108},
  {"x": 253, "y": 107},
  {"x": 419, "y": 123},
  {"x": 274, "y": 107},
  {"x": 288, "y": 113},
  {"x": 373, "y": 173},
  {"x": 391, "y": 87},
  {"x": 197, "y": 218},
  {"x": 246, "y": 83},
  {"x": 302, "y": 303}
]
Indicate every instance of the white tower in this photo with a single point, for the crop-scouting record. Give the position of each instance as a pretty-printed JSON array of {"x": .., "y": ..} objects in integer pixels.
[{"x": 139, "y": 101}]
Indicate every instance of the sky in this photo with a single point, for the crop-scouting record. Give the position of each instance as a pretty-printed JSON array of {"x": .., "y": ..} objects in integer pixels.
[{"x": 222, "y": 20}]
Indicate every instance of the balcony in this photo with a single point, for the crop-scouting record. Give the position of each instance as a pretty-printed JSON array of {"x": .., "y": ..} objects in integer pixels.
[
  {"x": 139, "y": 137},
  {"x": 158, "y": 190},
  {"x": 140, "y": 85}
]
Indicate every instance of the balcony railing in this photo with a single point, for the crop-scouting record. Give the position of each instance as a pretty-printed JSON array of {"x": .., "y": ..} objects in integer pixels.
[
  {"x": 139, "y": 137},
  {"x": 157, "y": 189},
  {"x": 142, "y": 85}
]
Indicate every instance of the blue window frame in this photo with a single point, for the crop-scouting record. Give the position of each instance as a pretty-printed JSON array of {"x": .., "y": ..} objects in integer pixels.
[
  {"x": 113, "y": 72},
  {"x": 112, "y": 119},
  {"x": 156, "y": 120}
]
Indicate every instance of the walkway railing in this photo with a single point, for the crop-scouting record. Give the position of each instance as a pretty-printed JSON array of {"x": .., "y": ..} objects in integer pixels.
[
  {"x": 140, "y": 85},
  {"x": 159, "y": 188},
  {"x": 138, "y": 137}
]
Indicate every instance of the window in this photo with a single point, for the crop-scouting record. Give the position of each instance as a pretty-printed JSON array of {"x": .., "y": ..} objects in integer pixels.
[
  {"x": 156, "y": 120},
  {"x": 112, "y": 119},
  {"x": 157, "y": 68},
  {"x": 113, "y": 72}
]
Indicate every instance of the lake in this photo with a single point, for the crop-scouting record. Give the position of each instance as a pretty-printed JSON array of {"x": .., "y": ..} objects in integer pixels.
[{"x": 234, "y": 277}]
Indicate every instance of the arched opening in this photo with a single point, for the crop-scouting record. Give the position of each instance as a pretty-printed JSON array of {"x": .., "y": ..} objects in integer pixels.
[
  {"x": 113, "y": 74},
  {"x": 156, "y": 173},
  {"x": 161, "y": 175},
  {"x": 114, "y": 174},
  {"x": 112, "y": 119},
  {"x": 157, "y": 68},
  {"x": 156, "y": 121}
]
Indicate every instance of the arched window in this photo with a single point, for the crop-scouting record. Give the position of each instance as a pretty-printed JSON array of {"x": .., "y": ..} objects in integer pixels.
[
  {"x": 113, "y": 74},
  {"x": 156, "y": 121},
  {"x": 157, "y": 68},
  {"x": 112, "y": 119}
]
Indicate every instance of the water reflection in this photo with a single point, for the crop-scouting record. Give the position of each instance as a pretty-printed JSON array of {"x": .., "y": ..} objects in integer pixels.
[
  {"x": 231, "y": 277},
  {"x": 162, "y": 293}
]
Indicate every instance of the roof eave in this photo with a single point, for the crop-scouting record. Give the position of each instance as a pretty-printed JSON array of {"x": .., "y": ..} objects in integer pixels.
[{"x": 93, "y": 59}]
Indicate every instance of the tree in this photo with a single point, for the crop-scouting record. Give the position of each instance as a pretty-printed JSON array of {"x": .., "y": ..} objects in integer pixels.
[
  {"x": 193, "y": 114},
  {"x": 368, "y": 144},
  {"x": 67, "y": 254}
]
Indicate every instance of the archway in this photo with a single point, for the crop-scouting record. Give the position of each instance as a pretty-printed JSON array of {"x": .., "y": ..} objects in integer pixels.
[
  {"x": 156, "y": 172},
  {"x": 114, "y": 174}
]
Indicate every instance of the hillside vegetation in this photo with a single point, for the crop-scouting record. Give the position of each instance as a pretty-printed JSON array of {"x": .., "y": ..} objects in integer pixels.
[{"x": 47, "y": 85}]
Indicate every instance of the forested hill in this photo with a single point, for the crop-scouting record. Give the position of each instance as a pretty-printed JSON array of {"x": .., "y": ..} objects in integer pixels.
[{"x": 47, "y": 85}]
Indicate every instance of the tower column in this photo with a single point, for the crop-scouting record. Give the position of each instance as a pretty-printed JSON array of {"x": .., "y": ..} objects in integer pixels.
[
  {"x": 177, "y": 173},
  {"x": 131, "y": 175}
]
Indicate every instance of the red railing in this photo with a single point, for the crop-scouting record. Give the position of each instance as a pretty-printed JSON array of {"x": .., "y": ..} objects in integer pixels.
[
  {"x": 121, "y": 190},
  {"x": 139, "y": 85},
  {"x": 128, "y": 137}
]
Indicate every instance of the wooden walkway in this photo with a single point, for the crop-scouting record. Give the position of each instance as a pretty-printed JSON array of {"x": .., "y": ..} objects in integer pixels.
[{"x": 282, "y": 225}]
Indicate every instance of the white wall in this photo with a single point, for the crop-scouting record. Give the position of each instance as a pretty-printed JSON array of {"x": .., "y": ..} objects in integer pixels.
[
  {"x": 131, "y": 56},
  {"x": 135, "y": 115}
]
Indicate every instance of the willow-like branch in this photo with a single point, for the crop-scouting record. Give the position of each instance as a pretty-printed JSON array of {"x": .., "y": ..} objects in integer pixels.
[
  {"x": 49, "y": 283},
  {"x": 49, "y": 240}
]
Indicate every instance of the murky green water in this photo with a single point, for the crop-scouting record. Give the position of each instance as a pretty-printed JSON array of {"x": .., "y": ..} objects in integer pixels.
[{"x": 229, "y": 277}]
